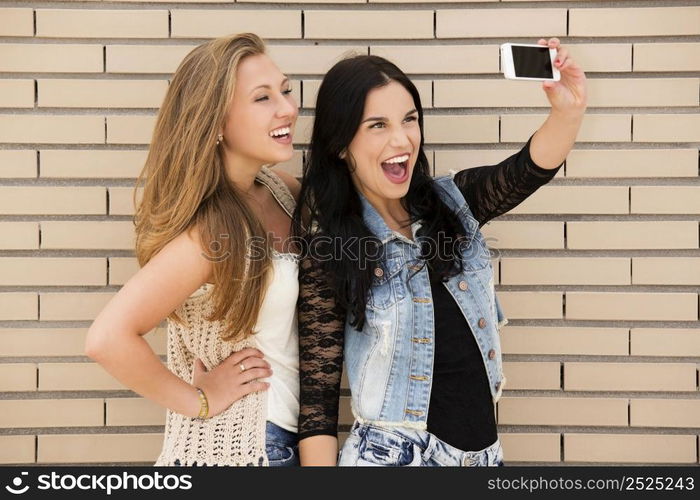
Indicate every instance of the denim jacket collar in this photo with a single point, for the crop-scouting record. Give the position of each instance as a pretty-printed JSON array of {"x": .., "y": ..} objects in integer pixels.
[{"x": 378, "y": 227}]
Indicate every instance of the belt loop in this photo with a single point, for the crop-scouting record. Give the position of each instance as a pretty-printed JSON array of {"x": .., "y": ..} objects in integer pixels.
[{"x": 362, "y": 429}]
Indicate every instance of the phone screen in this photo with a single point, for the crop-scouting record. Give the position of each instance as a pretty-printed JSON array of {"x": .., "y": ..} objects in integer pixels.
[{"x": 532, "y": 62}]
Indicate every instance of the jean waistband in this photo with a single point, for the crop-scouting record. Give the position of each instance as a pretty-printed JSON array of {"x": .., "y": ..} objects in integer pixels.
[
  {"x": 276, "y": 434},
  {"x": 436, "y": 449}
]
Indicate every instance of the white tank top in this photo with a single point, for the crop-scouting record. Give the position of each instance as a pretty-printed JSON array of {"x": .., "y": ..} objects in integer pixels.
[{"x": 277, "y": 338}]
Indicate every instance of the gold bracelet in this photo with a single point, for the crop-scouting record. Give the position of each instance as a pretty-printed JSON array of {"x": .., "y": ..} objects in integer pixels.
[{"x": 204, "y": 408}]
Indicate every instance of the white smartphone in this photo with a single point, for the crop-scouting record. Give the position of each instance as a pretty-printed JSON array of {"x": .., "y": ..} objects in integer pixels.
[{"x": 521, "y": 61}]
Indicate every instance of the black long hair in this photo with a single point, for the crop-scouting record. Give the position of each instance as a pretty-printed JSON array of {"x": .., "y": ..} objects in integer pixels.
[{"x": 331, "y": 207}]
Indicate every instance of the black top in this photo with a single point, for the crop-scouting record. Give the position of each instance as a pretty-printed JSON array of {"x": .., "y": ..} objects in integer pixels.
[{"x": 461, "y": 411}]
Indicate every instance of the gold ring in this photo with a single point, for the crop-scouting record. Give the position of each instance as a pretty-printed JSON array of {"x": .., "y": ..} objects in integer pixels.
[{"x": 242, "y": 367}]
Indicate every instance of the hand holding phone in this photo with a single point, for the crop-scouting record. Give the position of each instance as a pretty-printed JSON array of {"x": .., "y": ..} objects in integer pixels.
[{"x": 529, "y": 62}]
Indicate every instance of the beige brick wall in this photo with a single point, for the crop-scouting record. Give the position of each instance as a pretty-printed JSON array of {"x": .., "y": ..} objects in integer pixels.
[{"x": 598, "y": 272}]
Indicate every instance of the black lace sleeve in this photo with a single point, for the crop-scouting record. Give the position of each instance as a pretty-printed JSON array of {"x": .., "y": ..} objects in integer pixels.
[
  {"x": 321, "y": 331},
  {"x": 493, "y": 190}
]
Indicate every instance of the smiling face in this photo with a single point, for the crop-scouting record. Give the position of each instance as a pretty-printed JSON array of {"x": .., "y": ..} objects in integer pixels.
[
  {"x": 262, "y": 114},
  {"x": 385, "y": 147}
]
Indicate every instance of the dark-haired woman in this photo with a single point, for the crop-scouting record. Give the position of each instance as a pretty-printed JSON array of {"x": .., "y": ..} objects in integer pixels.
[{"x": 397, "y": 278}]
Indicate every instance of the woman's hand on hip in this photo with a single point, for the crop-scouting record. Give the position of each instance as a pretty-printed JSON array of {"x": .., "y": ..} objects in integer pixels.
[{"x": 235, "y": 377}]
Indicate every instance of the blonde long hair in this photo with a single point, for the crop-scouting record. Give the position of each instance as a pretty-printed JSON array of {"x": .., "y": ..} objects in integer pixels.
[{"x": 186, "y": 183}]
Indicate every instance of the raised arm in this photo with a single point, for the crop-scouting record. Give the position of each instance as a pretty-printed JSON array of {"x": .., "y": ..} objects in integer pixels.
[
  {"x": 569, "y": 99},
  {"x": 493, "y": 190},
  {"x": 321, "y": 330}
]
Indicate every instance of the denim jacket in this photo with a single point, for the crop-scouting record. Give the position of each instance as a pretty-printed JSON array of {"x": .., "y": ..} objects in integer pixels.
[{"x": 390, "y": 362}]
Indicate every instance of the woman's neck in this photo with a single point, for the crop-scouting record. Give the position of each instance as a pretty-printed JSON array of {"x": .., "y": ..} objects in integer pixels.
[
  {"x": 241, "y": 173},
  {"x": 394, "y": 214}
]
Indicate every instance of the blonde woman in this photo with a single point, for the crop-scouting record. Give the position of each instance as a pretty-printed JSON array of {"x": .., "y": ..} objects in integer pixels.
[{"x": 231, "y": 384}]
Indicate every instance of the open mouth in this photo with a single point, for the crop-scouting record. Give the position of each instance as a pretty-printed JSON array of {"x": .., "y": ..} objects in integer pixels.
[
  {"x": 282, "y": 135},
  {"x": 396, "y": 168}
]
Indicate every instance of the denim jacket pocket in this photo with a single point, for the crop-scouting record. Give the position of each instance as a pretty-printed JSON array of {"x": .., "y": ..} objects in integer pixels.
[{"x": 387, "y": 287}]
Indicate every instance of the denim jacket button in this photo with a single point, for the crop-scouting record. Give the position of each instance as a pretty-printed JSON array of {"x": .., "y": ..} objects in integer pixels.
[
  {"x": 492, "y": 353},
  {"x": 463, "y": 285},
  {"x": 379, "y": 272},
  {"x": 482, "y": 322}
]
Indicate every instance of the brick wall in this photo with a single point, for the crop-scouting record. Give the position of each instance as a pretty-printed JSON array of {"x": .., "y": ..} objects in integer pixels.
[{"x": 598, "y": 271}]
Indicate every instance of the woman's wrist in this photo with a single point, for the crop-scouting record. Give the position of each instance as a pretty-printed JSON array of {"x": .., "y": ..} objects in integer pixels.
[
  {"x": 191, "y": 403},
  {"x": 203, "y": 413},
  {"x": 568, "y": 116}
]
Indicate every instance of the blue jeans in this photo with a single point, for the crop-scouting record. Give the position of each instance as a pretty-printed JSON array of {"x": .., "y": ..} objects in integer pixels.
[
  {"x": 371, "y": 445},
  {"x": 281, "y": 446}
]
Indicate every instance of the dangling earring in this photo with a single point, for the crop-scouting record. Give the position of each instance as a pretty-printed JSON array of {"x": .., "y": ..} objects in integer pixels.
[{"x": 219, "y": 139}]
